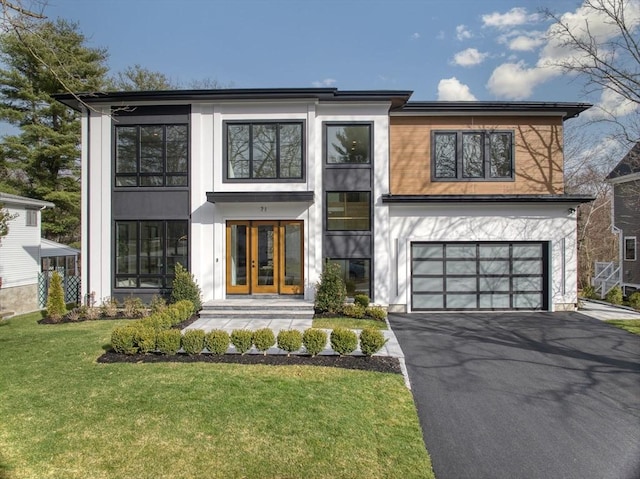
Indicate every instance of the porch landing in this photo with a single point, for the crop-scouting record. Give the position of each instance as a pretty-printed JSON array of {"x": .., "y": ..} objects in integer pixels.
[{"x": 258, "y": 308}]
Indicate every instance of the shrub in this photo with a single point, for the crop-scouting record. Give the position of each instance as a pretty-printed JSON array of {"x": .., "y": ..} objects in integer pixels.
[
  {"x": 168, "y": 341},
  {"x": 123, "y": 340},
  {"x": 589, "y": 292},
  {"x": 242, "y": 339},
  {"x": 289, "y": 340},
  {"x": 185, "y": 307},
  {"x": 158, "y": 304},
  {"x": 73, "y": 315},
  {"x": 361, "y": 299},
  {"x": 193, "y": 341},
  {"x": 353, "y": 310},
  {"x": 133, "y": 307},
  {"x": 56, "y": 308},
  {"x": 145, "y": 339},
  {"x": 330, "y": 290},
  {"x": 376, "y": 312},
  {"x": 263, "y": 339},
  {"x": 92, "y": 313},
  {"x": 314, "y": 340},
  {"x": 371, "y": 341},
  {"x": 634, "y": 300},
  {"x": 343, "y": 341},
  {"x": 185, "y": 287},
  {"x": 217, "y": 341},
  {"x": 614, "y": 296},
  {"x": 109, "y": 308}
]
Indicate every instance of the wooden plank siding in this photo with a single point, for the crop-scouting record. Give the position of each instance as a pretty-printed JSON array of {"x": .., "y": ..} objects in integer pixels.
[{"x": 538, "y": 156}]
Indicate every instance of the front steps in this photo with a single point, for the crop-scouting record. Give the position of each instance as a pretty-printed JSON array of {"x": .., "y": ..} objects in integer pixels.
[{"x": 257, "y": 308}]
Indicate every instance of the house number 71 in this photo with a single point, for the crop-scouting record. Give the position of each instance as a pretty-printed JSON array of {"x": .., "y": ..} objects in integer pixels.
[{"x": 263, "y": 209}]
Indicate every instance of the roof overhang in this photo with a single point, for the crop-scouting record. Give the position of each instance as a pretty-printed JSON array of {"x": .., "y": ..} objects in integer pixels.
[
  {"x": 624, "y": 179},
  {"x": 491, "y": 108},
  {"x": 7, "y": 198},
  {"x": 260, "y": 197},
  {"x": 425, "y": 199},
  {"x": 396, "y": 98}
]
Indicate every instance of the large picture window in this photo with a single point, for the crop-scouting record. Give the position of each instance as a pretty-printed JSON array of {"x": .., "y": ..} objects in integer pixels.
[
  {"x": 264, "y": 151},
  {"x": 630, "y": 253},
  {"x": 152, "y": 155},
  {"x": 356, "y": 273},
  {"x": 472, "y": 155},
  {"x": 147, "y": 252},
  {"x": 349, "y": 211},
  {"x": 348, "y": 144}
]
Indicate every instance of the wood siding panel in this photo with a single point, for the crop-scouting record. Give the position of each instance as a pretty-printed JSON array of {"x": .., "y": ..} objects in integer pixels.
[
  {"x": 538, "y": 156},
  {"x": 20, "y": 250}
]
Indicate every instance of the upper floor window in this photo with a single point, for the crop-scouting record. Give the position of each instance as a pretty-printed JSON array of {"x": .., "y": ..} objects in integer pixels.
[
  {"x": 349, "y": 211},
  {"x": 152, "y": 155},
  {"x": 348, "y": 143},
  {"x": 472, "y": 155},
  {"x": 264, "y": 151},
  {"x": 32, "y": 218},
  {"x": 630, "y": 248}
]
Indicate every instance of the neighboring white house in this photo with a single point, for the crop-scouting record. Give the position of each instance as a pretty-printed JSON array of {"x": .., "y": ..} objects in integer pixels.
[{"x": 20, "y": 254}]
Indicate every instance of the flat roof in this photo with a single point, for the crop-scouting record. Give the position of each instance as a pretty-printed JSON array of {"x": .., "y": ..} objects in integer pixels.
[{"x": 566, "y": 109}]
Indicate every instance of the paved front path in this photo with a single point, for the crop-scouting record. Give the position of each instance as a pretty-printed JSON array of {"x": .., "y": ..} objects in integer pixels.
[
  {"x": 603, "y": 311},
  {"x": 524, "y": 395}
]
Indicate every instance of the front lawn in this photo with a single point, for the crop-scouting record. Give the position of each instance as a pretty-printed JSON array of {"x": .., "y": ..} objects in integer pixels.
[
  {"x": 64, "y": 415},
  {"x": 631, "y": 325},
  {"x": 350, "y": 323}
]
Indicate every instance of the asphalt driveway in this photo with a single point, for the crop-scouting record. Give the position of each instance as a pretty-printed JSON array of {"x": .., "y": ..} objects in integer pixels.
[{"x": 524, "y": 395}]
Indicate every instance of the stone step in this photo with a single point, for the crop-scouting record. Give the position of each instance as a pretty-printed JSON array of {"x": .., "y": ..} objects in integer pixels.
[{"x": 257, "y": 314}]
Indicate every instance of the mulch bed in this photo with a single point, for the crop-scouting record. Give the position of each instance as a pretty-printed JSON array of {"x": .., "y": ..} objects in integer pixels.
[
  {"x": 383, "y": 364},
  {"x": 66, "y": 320}
]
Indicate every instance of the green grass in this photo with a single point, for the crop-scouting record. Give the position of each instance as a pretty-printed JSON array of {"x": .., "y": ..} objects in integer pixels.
[
  {"x": 631, "y": 325},
  {"x": 350, "y": 323},
  {"x": 66, "y": 416}
]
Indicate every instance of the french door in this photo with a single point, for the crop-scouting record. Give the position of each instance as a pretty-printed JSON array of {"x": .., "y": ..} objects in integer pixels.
[{"x": 264, "y": 257}]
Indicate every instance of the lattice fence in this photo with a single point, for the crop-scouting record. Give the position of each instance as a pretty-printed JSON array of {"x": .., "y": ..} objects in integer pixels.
[{"x": 70, "y": 284}]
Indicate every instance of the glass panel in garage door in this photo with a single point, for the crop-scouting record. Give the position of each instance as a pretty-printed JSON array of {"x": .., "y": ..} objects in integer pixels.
[
  {"x": 527, "y": 266},
  {"x": 462, "y": 284},
  {"x": 494, "y": 251},
  {"x": 495, "y": 301},
  {"x": 533, "y": 283},
  {"x": 494, "y": 267},
  {"x": 428, "y": 301},
  {"x": 461, "y": 267},
  {"x": 427, "y": 267},
  {"x": 427, "y": 284},
  {"x": 527, "y": 251},
  {"x": 462, "y": 301},
  {"x": 461, "y": 251},
  {"x": 494, "y": 284},
  {"x": 426, "y": 251},
  {"x": 527, "y": 301}
]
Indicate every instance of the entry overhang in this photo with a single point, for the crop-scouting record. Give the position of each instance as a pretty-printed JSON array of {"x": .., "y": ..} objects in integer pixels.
[{"x": 260, "y": 197}]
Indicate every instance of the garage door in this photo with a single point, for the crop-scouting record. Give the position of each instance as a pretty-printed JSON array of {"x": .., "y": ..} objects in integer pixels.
[{"x": 479, "y": 276}]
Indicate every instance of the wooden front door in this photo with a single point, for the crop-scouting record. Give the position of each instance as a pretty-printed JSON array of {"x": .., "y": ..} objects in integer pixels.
[{"x": 264, "y": 257}]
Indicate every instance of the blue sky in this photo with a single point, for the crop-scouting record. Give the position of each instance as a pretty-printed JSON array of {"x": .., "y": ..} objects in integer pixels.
[{"x": 349, "y": 44}]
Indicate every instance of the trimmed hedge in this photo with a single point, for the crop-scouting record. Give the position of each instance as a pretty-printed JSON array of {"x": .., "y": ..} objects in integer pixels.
[
  {"x": 263, "y": 339},
  {"x": 343, "y": 341},
  {"x": 217, "y": 341},
  {"x": 123, "y": 340},
  {"x": 289, "y": 340},
  {"x": 371, "y": 341},
  {"x": 145, "y": 339},
  {"x": 314, "y": 340},
  {"x": 376, "y": 312},
  {"x": 242, "y": 339},
  {"x": 361, "y": 299},
  {"x": 193, "y": 341},
  {"x": 353, "y": 310},
  {"x": 168, "y": 341}
]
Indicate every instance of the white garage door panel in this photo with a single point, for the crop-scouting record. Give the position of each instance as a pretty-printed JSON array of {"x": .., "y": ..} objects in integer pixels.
[{"x": 479, "y": 276}]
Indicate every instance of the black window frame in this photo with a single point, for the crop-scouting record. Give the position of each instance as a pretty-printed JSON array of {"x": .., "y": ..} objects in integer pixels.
[
  {"x": 486, "y": 160},
  {"x": 166, "y": 276},
  {"x": 634, "y": 248},
  {"x": 325, "y": 138},
  {"x": 277, "y": 179},
  {"x": 369, "y": 210},
  {"x": 139, "y": 174},
  {"x": 356, "y": 291}
]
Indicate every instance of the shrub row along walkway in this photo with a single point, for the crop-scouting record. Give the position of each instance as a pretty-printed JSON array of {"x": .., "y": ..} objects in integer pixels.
[{"x": 391, "y": 348}]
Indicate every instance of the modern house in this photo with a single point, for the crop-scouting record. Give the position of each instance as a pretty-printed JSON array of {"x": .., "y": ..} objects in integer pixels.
[
  {"x": 425, "y": 205},
  {"x": 20, "y": 253},
  {"x": 625, "y": 179}
]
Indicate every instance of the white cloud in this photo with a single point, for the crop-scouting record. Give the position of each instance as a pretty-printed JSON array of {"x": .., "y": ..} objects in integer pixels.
[
  {"x": 515, "y": 81},
  {"x": 469, "y": 57},
  {"x": 611, "y": 105},
  {"x": 523, "y": 41},
  {"x": 450, "y": 89},
  {"x": 462, "y": 33},
  {"x": 415, "y": 36},
  {"x": 327, "y": 82},
  {"x": 514, "y": 17}
]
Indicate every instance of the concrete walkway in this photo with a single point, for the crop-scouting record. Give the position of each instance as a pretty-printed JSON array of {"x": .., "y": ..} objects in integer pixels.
[
  {"x": 605, "y": 311},
  {"x": 391, "y": 348}
]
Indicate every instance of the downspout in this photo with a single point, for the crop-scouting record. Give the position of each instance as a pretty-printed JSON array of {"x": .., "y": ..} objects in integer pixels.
[{"x": 86, "y": 229}]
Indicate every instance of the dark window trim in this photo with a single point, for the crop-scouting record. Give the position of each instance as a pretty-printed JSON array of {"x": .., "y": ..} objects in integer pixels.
[
  {"x": 225, "y": 146},
  {"x": 350, "y": 258},
  {"x": 545, "y": 292},
  {"x": 140, "y": 122},
  {"x": 164, "y": 276},
  {"x": 325, "y": 153},
  {"x": 486, "y": 160},
  {"x": 635, "y": 248},
  {"x": 326, "y": 213}
]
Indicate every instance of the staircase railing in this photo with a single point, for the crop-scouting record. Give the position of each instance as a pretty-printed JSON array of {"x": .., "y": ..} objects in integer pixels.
[{"x": 607, "y": 276}]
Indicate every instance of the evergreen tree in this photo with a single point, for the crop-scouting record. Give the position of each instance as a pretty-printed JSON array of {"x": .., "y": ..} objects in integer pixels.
[
  {"x": 55, "y": 298},
  {"x": 42, "y": 160}
]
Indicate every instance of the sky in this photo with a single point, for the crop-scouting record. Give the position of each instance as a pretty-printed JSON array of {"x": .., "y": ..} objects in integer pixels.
[{"x": 439, "y": 49}]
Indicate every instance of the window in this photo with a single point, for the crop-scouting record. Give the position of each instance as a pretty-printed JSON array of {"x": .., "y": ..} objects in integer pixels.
[
  {"x": 348, "y": 144},
  {"x": 349, "y": 211},
  {"x": 472, "y": 155},
  {"x": 147, "y": 252},
  {"x": 356, "y": 275},
  {"x": 32, "y": 218},
  {"x": 264, "y": 151},
  {"x": 630, "y": 248},
  {"x": 152, "y": 155}
]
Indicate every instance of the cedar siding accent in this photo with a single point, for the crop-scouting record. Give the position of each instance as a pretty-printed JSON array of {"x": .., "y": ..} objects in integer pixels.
[{"x": 538, "y": 157}]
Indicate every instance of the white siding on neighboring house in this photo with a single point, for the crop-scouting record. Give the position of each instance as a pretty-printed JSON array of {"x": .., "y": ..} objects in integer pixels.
[{"x": 20, "y": 250}]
